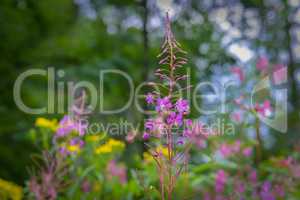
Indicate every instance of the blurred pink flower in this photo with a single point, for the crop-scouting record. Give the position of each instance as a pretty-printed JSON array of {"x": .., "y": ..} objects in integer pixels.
[
  {"x": 296, "y": 171},
  {"x": 266, "y": 193},
  {"x": 247, "y": 151},
  {"x": 286, "y": 162},
  {"x": 262, "y": 64},
  {"x": 188, "y": 122},
  {"x": 130, "y": 136},
  {"x": 86, "y": 186},
  {"x": 220, "y": 180},
  {"x": 279, "y": 190},
  {"x": 207, "y": 196},
  {"x": 225, "y": 150},
  {"x": 150, "y": 124},
  {"x": 239, "y": 187},
  {"x": 236, "y": 146},
  {"x": 237, "y": 116},
  {"x": 195, "y": 134},
  {"x": 67, "y": 125},
  {"x": 239, "y": 100},
  {"x": 280, "y": 74},
  {"x": 265, "y": 109},
  {"x": 253, "y": 177},
  {"x": 118, "y": 171},
  {"x": 238, "y": 72}
]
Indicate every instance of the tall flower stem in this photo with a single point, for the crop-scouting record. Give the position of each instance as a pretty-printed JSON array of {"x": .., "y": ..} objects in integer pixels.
[
  {"x": 171, "y": 111},
  {"x": 259, "y": 142}
]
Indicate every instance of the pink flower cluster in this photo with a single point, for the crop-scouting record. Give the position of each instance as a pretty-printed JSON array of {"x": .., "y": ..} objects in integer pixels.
[
  {"x": 220, "y": 181},
  {"x": 196, "y": 133},
  {"x": 70, "y": 130},
  {"x": 243, "y": 187},
  {"x": 262, "y": 64},
  {"x": 264, "y": 109},
  {"x": 228, "y": 150},
  {"x": 68, "y": 125},
  {"x": 169, "y": 114},
  {"x": 238, "y": 72},
  {"x": 115, "y": 170}
]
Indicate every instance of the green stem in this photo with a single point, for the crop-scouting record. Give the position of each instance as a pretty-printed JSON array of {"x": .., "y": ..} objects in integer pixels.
[{"x": 259, "y": 142}]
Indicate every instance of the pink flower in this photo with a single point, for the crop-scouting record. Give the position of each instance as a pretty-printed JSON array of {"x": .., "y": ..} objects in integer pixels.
[
  {"x": 225, "y": 150},
  {"x": 237, "y": 116},
  {"x": 279, "y": 190},
  {"x": 296, "y": 171},
  {"x": 239, "y": 187},
  {"x": 181, "y": 141},
  {"x": 182, "y": 106},
  {"x": 175, "y": 119},
  {"x": 253, "y": 177},
  {"x": 163, "y": 104},
  {"x": 118, "y": 171},
  {"x": 178, "y": 119},
  {"x": 77, "y": 141},
  {"x": 239, "y": 100},
  {"x": 266, "y": 186},
  {"x": 207, "y": 196},
  {"x": 150, "y": 124},
  {"x": 266, "y": 193},
  {"x": 265, "y": 109},
  {"x": 239, "y": 72},
  {"x": 187, "y": 133},
  {"x": 189, "y": 122},
  {"x": 130, "y": 136},
  {"x": 199, "y": 142},
  {"x": 279, "y": 74},
  {"x": 236, "y": 146},
  {"x": 67, "y": 125},
  {"x": 171, "y": 118},
  {"x": 150, "y": 98},
  {"x": 63, "y": 150},
  {"x": 247, "y": 151},
  {"x": 262, "y": 64},
  {"x": 195, "y": 135},
  {"x": 155, "y": 126},
  {"x": 286, "y": 162},
  {"x": 220, "y": 180},
  {"x": 146, "y": 136},
  {"x": 86, "y": 186}
]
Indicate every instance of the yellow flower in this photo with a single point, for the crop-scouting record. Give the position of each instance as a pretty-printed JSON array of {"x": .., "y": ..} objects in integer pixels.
[
  {"x": 14, "y": 191},
  {"x": 103, "y": 149},
  {"x": 147, "y": 157},
  {"x": 115, "y": 143},
  {"x": 162, "y": 150},
  {"x": 95, "y": 138},
  {"x": 109, "y": 146},
  {"x": 96, "y": 187},
  {"x": 73, "y": 148},
  {"x": 46, "y": 123}
]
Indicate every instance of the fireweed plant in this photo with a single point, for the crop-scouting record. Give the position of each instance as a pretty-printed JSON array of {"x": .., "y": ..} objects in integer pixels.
[
  {"x": 48, "y": 178},
  {"x": 72, "y": 128},
  {"x": 169, "y": 133},
  {"x": 277, "y": 73}
]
